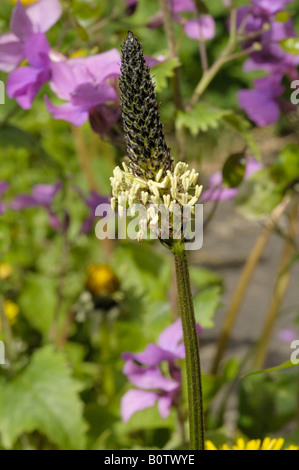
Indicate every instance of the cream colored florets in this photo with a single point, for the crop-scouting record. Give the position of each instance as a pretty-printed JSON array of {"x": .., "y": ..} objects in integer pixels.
[{"x": 177, "y": 187}]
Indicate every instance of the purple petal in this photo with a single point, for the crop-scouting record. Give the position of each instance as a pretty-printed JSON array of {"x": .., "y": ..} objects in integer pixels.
[
  {"x": 54, "y": 221},
  {"x": 271, "y": 7},
  {"x": 63, "y": 80},
  {"x": 11, "y": 52},
  {"x": 152, "y": 355},
  {"x": 171, "y": 337},
  {"x": 164, "y": 405},
  {"x": 148, "y": 378},
  {"x": 92, "y": 202},
  {"x": 88, "y": 95},
  {"x": 260, "y": 108},
  {"x": 253, "y": 165},
  {"x": 202, "y": 27},
  {"x": 23, "y": 201},
  {"x": 3, "y": 187},
  {"x": 45, "y": 193},
  {"x": 216, "y": 191},
  {"x": 67, "y": 112},
  {"x": 44, "y": 14},
  {"x": 152, "y": 62},
  {"x": 136, "y": 400},
  {"x": 95, "y": 200},
  {"x": 21, "y": 24},
  {"x": 179, "y": 6},
  {"x": 24, "y": 83},
  {"x": 101, "y": 66},
  {"x": 37, "y": 50},
  {"x": 287, "y": 336}
]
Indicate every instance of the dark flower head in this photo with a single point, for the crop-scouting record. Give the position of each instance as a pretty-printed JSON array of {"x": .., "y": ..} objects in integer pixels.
[{"x": 146, "y": 145}]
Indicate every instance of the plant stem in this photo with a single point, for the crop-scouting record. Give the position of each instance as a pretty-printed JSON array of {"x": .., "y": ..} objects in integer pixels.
[
  {"x": 210, "y": 74},
  {"x": 176, "y": 86},
  {"x": 281, "y": 285},
  {"x": 244, "y": 281},
  {"x": 191, "y": 341}
]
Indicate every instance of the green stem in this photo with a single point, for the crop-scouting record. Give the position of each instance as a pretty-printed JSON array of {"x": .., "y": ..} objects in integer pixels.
[
  {"x": 242, "y": 286},
  {"x": 210, "y": 74},
  {"x": 175, "y": 81},
  {"x": 195, "y": 401},
  {"x": 280, "y": 289}
]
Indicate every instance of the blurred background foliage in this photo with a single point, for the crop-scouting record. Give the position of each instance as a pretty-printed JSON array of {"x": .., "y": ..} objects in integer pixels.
[{"x": 63, "y": 381}]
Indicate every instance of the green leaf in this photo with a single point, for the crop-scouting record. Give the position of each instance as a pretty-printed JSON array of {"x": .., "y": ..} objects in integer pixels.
[
  {"x": 43, "y": 397},
  {"x": 234, "y": 170},
  {"x": 286, "y": 166},
  {"x": 290, "y": 45},
  {"x": 201, "y": 118},
  {"x": 258, "y": 195},
  {"x": 38, "y": 301},
  {"x": 202, "y": 277},
  {"x": 205, "y": 305},
  {"x": 283, "y": 17},
  {"x": 243, "y": 127},
  {"x": 285, "y": 365},
  {"x": 163, "y": 71}
]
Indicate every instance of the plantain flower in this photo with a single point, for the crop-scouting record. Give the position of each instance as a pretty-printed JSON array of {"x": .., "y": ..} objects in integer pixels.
[{"x": 150, "y": 179}]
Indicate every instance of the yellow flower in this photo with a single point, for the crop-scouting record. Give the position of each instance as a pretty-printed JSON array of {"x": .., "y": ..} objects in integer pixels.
[
  {"x": 5, "y": 271},
  {"x": 101, "y": 280},
  {"x": 255, "y": 444},
  {"x": 11, "y": 311},
  {"x": 25, "y": 2}
]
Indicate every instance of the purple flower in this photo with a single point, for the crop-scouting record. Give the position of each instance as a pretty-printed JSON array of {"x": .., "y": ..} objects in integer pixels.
[
  {"x": 36, "y": 19},
  {"x": 24, "y": 83},
  {"x": 92, "y": 202},
  {"x": 272, "y": 57},
  {"x": 270, "y": 7},
  {"x": 143, "y": 371},
  {"x": 3, "y": 187},
  {"x": 179, "y": 6},
  {"x": 218, "y": 192},
  {"x": 202, "y": 27},
  {"x": 287, "y": 336},
  {"x": 42, "y": 195},
  {"x": 83, "y": 84},
  {"x": 262, "y": 104},
  {"x": 131, "y": 6}
]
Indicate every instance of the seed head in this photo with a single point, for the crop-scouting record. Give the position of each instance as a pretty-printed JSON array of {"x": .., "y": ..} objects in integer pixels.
[{"x": 146, "y": 146}]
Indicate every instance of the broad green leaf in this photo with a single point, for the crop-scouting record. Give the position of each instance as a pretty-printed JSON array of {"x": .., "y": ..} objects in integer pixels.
[
  {"x": 285, "y": 365},
  {"x": 234, "y": 170},
  {"x": 243, "y": 127},
  {"x": 202, "y": 277},
  {"x": 291, "y": 45},
  {"x": 258, "y": 195},
  {"x": 38, "y": 301},
  {"x": 205, "y": 305},
  {"x": 201, "y": 118},
  {"x": 163, "y": 71},
  {"x": 286, "y": 166},
  {"x": 43, "y": 397}
]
